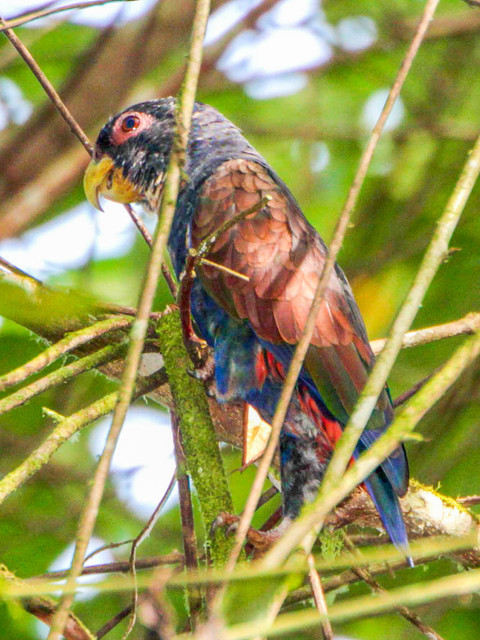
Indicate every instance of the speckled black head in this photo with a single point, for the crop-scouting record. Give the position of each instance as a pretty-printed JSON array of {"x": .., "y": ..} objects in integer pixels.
[{"x": 133, "y": 149}]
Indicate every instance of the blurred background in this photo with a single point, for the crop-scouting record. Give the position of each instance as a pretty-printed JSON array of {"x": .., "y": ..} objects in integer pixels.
[{"x": 305, "y": 81}]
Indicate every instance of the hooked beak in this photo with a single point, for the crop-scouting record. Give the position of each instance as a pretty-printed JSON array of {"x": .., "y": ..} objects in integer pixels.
[{"x": 103, "y": 178}]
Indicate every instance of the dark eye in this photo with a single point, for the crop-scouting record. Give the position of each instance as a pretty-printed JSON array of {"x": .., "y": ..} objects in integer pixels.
[{"x": 130, "y": 123}]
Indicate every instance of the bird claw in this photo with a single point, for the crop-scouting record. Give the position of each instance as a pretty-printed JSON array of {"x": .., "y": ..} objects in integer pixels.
[
  {"x": 226, "y": 521},
  {"x": 260, "y": 541},
  {"x": 206, "y": 370}
]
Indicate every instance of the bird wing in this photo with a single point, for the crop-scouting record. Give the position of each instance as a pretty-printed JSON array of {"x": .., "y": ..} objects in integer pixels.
[{"x": 283, "y": 257}]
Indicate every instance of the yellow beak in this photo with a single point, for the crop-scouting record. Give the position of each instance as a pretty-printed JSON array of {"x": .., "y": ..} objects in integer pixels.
[{"x": 103, "y": 178}]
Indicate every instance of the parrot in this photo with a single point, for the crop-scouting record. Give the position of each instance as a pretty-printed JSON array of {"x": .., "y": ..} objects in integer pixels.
[{"x": 253, "y": 324}]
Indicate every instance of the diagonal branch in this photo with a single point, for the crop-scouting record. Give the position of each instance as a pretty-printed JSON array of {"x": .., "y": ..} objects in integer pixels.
[
  {"x": 464, "y": 326},
  {"x": 139, "y": 328},
  {"x": 434, "y": 256},
  {"x": 65, "y": 429},
  {"x": 48, "y": 87},
  {"x": 402, "y": 426},
  {"x": 340, "y": 230},
  {"x": 36, "y": 15}
]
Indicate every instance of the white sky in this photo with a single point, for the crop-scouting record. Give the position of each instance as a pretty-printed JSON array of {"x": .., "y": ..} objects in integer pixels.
[{"x": 143, "y": 463}]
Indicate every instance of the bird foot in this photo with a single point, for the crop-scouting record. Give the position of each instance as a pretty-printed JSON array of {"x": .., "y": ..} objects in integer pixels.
[
  {"x": 260, "y": 541},
  {"x": 205, "y": 370}
]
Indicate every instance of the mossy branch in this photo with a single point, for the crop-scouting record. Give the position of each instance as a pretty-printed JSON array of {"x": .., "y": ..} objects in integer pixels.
[{"x": 198, "y": 433}]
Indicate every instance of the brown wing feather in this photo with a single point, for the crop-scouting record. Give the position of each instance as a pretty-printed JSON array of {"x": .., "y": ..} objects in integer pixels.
[
  {"x": 283, "y": 256},
  {"x": 276, "y": 248}
]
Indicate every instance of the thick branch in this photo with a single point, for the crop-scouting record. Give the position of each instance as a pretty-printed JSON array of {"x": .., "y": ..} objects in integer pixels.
[{"x": 198, "y": 434}]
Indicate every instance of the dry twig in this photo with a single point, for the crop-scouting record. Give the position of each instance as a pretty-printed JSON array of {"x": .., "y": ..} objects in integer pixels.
[
  {"x": 36, "y": 15},
  {"x": 334, "y": 248},
  {"x": 170, "y": 192},
  {"x": 133, "y": 553}
]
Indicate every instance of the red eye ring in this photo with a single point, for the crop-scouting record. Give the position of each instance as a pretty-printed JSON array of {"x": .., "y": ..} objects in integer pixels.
[{"x": 130, "y": 123}]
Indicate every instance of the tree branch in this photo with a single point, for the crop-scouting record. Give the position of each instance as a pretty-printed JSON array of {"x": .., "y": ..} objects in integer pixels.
[
  {"x": 64, "y": 430},
  {"x": 198, "y": 434},
  {"x": 36, "y": 15},
  {"x": 467, "y": 325},
  {"x": 64, "y": 346},
  {"x": 44, "y": 609},
  {"x": 47, "y": 86}
]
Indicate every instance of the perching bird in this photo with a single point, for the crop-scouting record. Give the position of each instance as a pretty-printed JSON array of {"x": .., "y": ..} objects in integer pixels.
[{"x": 253, "y": 326}]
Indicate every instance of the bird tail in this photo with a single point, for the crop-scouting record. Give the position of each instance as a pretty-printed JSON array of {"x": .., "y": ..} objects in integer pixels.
[{"x": 388, "y": 507}]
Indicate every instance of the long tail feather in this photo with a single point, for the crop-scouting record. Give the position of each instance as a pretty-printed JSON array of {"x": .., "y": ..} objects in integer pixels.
[{"x": 388, "y": 507}]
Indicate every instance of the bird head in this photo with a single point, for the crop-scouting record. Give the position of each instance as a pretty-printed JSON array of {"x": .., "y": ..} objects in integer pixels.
[{"x": 131, "y": 155}]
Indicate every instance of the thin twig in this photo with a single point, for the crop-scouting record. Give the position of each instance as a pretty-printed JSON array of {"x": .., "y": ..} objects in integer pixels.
[
  {"x": 107, "y": 547},
  {"x": 170, "y": 192},
  {"x": 171, "y": 284},
  {"x": 115, "y": 621},
  {"x": 340, "y": 230},
  {"x": 64, "y": 346},
  {"x": 409, "y": 393},
  {"x": 61, "y": 375},
  {"x": 464, "y": 326},
  {"x": 224, "y": 269},
  {"x": 148, "y": 239},
  {"x": 36, "y": 15},
  {"x": 133, "y": 553},
  {"x": 48, "y": 88},
  {"x": 139, "y": 224},
  {"x": 319, "y": 597},
  {"x": 119, "y": 567}
]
